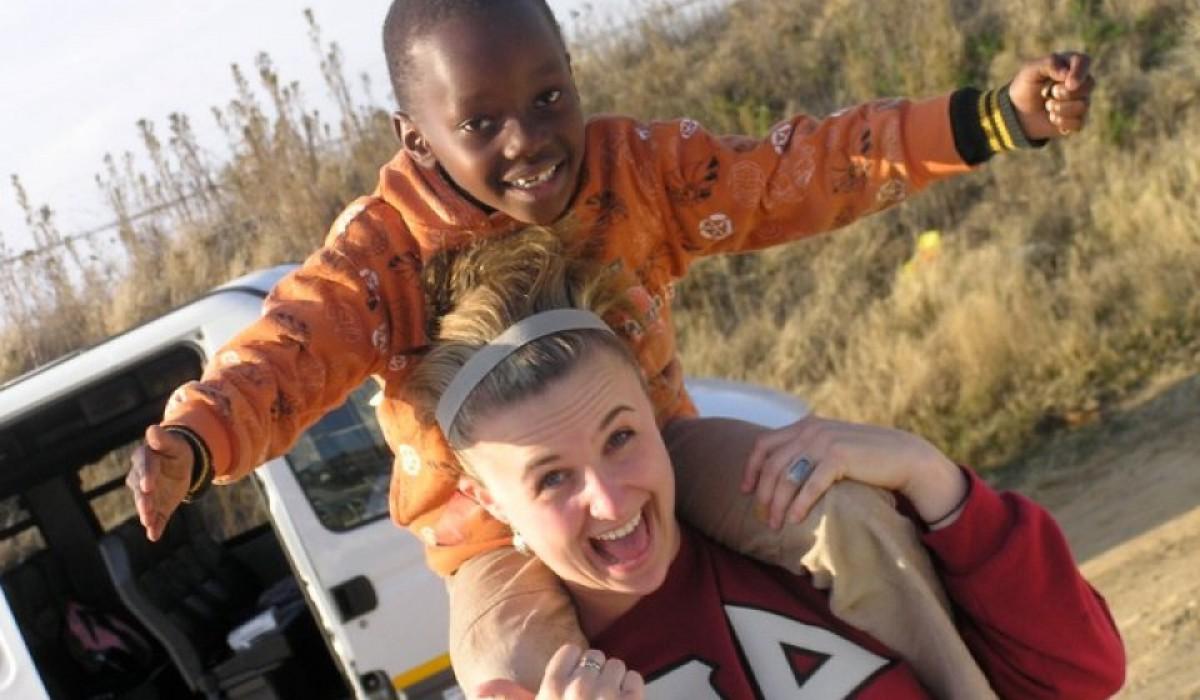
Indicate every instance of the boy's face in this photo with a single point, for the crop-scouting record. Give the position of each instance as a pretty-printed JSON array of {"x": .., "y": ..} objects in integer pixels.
[{"x": 494, "y": 105}]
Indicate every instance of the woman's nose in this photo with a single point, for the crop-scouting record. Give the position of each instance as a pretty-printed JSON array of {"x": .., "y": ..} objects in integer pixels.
[{"x": 605, "y": 497}]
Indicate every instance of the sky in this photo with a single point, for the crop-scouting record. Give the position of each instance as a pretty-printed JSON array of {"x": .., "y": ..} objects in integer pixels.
[{"x": 76, "y": 76}]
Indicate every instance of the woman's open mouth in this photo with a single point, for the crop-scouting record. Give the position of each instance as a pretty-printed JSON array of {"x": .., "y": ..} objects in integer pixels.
[{"x": 624, "y": 547}]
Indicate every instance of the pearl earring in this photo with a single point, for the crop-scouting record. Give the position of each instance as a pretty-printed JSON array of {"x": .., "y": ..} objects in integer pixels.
[{"x": 519, "y": 543}]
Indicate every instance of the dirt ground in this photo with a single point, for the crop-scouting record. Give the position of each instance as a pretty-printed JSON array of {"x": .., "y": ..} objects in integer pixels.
[{"x": 1127, "y": 491}]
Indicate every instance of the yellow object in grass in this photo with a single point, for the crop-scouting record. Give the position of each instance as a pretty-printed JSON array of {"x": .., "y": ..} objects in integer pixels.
[{"x": 929, "y": 246}]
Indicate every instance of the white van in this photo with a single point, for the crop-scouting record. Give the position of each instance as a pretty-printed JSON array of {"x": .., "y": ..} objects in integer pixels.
[{"x": 324, "y": 597}]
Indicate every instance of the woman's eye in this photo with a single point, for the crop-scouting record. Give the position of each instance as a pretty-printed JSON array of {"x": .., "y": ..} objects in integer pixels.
[
  {"x": 550, "y": 480},
  {"x": 549, "y": 97},
  {"x": 619, "y": 438}
]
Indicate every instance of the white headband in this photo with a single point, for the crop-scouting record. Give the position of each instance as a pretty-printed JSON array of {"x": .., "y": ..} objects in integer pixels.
[{"x": 515, "y": 337}]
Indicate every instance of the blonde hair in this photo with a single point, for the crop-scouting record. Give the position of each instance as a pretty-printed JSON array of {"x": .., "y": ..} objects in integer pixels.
[{"x": 477, "y": 293}]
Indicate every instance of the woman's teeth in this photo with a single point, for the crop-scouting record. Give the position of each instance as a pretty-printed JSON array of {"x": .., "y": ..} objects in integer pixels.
[
  {"x": 622, "y": 531},
  {"x": 525, "y": 183}
]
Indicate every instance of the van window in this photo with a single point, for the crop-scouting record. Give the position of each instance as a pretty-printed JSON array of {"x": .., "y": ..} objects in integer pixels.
[
  {"x": 343, "y": 464},
  {"x": 19, "y": 536},
  {"x": 103, "y": 485},
  {"x": 227, "y": 511}
]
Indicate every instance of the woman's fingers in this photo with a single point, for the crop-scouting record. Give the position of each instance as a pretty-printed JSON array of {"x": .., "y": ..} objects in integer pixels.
[
  {"x": 580, "y": 675},
  {"x": 633, "y": 687},
  {"x": 502, "y": 689},
  {"x": 585, "y": 682},
  {"x": 577, "y": 674},
  {"x": 795, "y": 470},
  {"x": 560, "y": 671},
  {"x": 780, "y": 463},
  {"x": 608, "y": 684},
  {"x": 764, "y": 445},
  {"x": 785, "y": 493},
  {"x": 780, "y": 447},
  {"x": 822, "y": 477}
]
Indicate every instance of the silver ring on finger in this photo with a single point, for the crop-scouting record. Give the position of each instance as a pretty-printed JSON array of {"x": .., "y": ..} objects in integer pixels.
[
  {"x": 590, "y": 663},
  {"x": 800, "y": 470}
]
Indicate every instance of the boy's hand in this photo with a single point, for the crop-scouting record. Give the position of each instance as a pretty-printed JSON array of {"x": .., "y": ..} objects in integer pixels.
[
  {"x": 1051, "y": 95},
  {"x": 159, "y": 477},
  {"x": 574, "y": 675}
]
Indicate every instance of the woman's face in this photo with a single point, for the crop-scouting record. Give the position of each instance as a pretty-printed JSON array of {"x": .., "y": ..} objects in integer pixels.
[{"x": 581, "y": 471}]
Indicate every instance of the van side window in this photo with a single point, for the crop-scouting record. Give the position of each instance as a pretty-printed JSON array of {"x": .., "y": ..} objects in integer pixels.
[
  {"x": 343, "y": 465},
  {"x": 19, "y": 536},
  {"x": 103, "y": 485}
]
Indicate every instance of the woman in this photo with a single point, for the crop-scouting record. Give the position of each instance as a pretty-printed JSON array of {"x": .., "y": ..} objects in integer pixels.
[{"x": 550, "y": 418}]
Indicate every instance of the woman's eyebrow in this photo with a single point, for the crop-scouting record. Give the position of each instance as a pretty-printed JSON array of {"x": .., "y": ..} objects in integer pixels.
[
  {"x": 612, "y": 415},
  {"x": 608, "y": 419},
  {"x": 540, "y": 462}
]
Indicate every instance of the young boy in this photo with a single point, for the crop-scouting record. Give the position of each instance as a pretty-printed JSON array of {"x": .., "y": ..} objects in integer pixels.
[{"x": 492, "y": 138}]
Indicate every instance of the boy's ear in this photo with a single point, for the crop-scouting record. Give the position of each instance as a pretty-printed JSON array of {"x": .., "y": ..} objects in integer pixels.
[
  {"x": 474, "y": 491},
  {"x": 412, "y": 140}
]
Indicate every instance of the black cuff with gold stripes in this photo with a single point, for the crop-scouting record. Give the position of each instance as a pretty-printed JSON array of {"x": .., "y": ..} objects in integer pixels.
[
  {"x": 202, "y": 471},
  {"x": 985, "y": 123}
]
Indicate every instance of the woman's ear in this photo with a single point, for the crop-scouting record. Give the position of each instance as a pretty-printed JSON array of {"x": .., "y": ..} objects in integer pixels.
[
  {"x": 412, "y": 141},
  {"x": 478, "y": 493}
]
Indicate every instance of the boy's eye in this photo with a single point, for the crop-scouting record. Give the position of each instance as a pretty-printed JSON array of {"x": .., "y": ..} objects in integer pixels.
[
  {"x": 475, "y": 125},
  {"x": 549, "y": 97}
]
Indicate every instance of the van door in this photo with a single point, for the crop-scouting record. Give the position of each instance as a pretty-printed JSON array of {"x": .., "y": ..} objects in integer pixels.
[
  {"x": 18, "y": 676},
  {"x": 385, "y": 611}
]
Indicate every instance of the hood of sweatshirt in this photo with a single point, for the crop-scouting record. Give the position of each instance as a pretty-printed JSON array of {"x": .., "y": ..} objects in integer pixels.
[{"x": 437, "y": 215}]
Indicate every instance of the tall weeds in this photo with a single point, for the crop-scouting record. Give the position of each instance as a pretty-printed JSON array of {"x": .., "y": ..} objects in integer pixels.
[{"x": 1063, "y": 278}]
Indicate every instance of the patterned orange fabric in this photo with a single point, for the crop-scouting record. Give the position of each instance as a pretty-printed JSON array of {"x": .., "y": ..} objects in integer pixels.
[{"x": 655, "y": 196}]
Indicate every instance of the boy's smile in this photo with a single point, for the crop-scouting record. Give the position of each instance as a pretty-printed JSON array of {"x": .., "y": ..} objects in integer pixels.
[{"x": 496, "y": 109}]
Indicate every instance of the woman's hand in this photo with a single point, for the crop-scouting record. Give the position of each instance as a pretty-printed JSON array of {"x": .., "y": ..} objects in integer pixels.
[
  {"x": 574, "y": 675},
  {"x": 786, "y": 487}
]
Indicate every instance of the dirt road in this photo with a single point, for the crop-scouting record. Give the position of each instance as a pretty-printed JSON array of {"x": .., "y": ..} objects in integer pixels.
[{"x": 1128, "y": 495}]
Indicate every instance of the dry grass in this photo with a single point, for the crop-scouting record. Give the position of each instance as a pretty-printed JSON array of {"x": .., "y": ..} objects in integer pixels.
[{"x": 1064, "y": 278}]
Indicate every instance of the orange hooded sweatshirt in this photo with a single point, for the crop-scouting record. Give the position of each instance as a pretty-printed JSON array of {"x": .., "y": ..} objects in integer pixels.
[{"x": 657, "y": 196}]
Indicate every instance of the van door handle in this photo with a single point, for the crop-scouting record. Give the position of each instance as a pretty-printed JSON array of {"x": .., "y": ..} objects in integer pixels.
[{"x": 355, "y": 597}]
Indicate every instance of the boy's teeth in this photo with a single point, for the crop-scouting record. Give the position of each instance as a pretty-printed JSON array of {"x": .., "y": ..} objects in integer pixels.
[
  {"x": 623, "y": 530},
  {"x": 536, "y": 180}
]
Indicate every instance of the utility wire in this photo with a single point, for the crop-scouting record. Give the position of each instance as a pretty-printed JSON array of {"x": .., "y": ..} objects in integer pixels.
[
  {"x": 151, "y": 211},
  {"x": 112, "y": 225}
]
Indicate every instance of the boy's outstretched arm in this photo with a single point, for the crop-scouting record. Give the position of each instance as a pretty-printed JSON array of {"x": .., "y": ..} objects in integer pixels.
[
  {"x": 355, "y": 308},
  {"x": 727, "y": 194}
]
